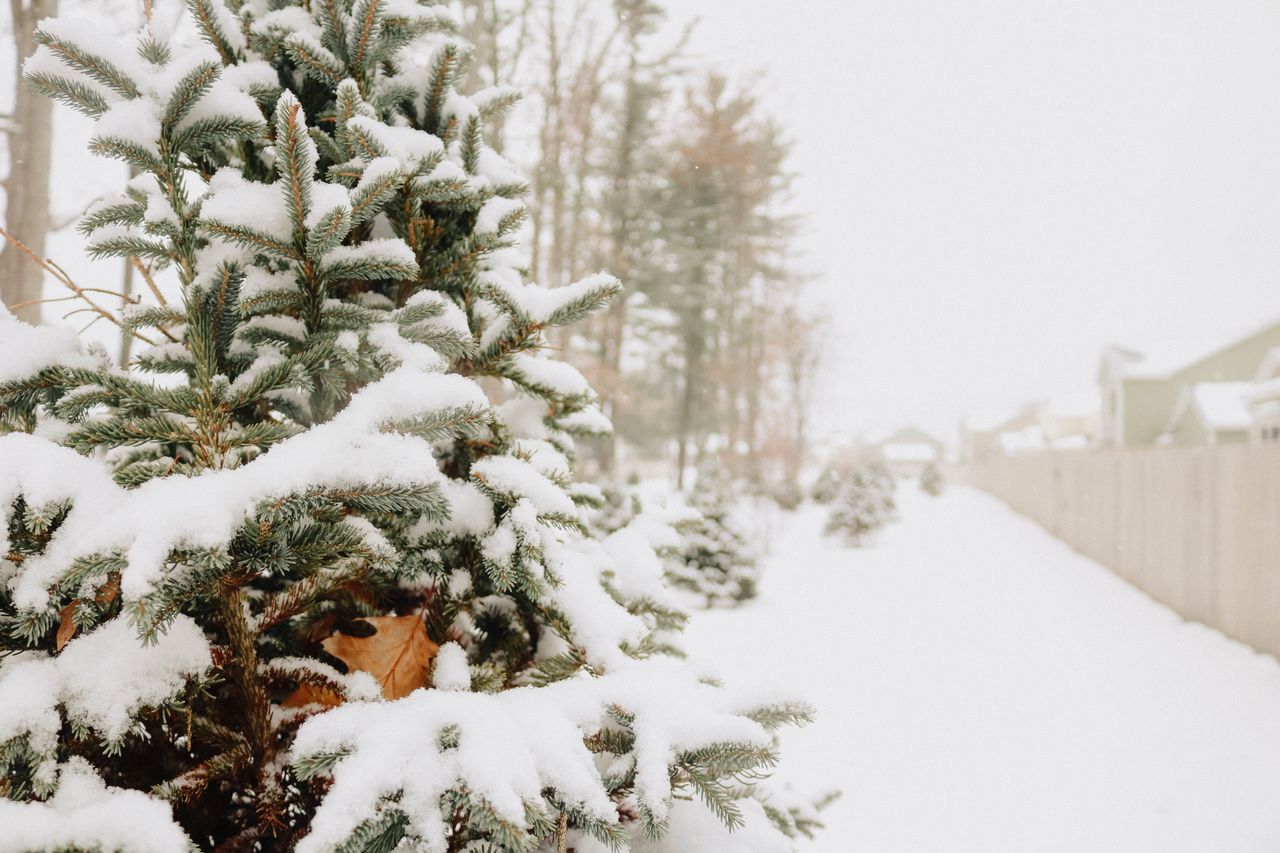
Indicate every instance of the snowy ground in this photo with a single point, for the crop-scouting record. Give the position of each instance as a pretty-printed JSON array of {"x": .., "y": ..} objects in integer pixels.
[{"x": 981, "y": 687}]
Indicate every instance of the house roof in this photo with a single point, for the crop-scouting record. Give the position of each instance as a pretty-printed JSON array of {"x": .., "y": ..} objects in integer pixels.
[
  {"x": 1264, "y": 392},
  {"x": 1161, "y": 359},
  {"x": 1071, "y": 442},
  {"x": 901, "y": 435},
  {"x": 1223, "y": 405},
  {"x": 1019, "y": 441},
  {"x": 1219, "y": 406},
  {"x": 989, "y": 420},
  {"x": 1270, "y": 367}
]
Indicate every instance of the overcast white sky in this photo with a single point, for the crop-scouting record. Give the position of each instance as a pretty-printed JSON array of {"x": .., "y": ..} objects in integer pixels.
[{"x": 999, "y": 187}]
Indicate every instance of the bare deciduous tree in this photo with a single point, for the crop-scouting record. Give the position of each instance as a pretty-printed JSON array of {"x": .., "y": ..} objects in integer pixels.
[{"x": 26, "y": 187}]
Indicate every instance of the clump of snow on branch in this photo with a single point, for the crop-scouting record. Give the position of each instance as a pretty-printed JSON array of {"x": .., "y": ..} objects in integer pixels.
[
  {"x": 508, "y": 747},
  {"x": 101, "y": 680},
  {"x": 85, "y": 814}
]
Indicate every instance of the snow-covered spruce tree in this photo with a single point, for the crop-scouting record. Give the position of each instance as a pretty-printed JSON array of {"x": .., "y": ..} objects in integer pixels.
[
  {"x": 865, "y": 504},
  {"x": 615, "y": 508},
  {"x": 292, "y": 579},
  {"x": 931, "y": 482},
  {"x": 716, "y": 562},
  {"x": 662, "y": 522}
]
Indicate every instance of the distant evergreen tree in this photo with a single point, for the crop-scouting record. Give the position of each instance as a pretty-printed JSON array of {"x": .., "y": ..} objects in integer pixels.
[
  {"x": 865, "y": 504},
  {"x": 787, "y": 494},
  {"x": 618, "y": 505},
  {"x": 827, "y": 487},
  {"x": 716, "y": 562},
  {"x": 885, "y": 485},
  {"x": 931, "y": 482}
]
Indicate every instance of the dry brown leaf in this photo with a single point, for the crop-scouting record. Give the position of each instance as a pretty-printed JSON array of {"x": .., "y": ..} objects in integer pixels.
[
  {"x": 398, "y": 654},
  {"x": 66, "y": 621},
  {"x": 66, "y": 625},
  {"x": 309, "y": 694},
  {"x": 109, "y": 590}
]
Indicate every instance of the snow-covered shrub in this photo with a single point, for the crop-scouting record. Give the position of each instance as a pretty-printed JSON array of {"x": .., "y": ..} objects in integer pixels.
[
  {"x": 886, "y": 485},
  {"x": 787, "y": 494},
  {"x": 827, "y": 487},
  {"x": 292, "y": 580},
  {"x": 931, "y": 482},
  {"x": 865, "y": 504},
  {"x": 716, "y": 562}
]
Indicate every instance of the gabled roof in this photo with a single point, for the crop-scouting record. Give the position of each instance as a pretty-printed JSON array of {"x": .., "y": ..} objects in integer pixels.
[
  {"x": 991, "y": 420},
  {"x": 1218, "y": 406},
  {"x": 1270, "y": 367},
  {"x": 1265, "y": 392},
  {"x": 901, "y": 435},
  {"x": 1019, "y": 441},
  {"x": 1162, "y": 359}
]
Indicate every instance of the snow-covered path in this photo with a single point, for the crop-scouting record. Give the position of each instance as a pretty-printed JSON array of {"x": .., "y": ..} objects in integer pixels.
[{"x": 981, "y": 687}]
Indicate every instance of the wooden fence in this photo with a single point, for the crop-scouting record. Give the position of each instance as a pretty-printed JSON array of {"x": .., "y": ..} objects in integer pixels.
[{"x": 1196, "y": 528}]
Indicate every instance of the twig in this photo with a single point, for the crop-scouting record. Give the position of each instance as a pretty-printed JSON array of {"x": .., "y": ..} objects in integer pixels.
[
  {"x": 145, "y": 272},
  {"x": 49, "y": 266},
  {"x": 26, "y": 302},
  {"x": 146, "y": 276},
  {"x": 126, "y": 297}
]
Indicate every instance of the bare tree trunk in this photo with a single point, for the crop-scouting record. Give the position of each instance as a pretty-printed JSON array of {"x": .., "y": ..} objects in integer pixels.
[
  {"x": 690, "y": 399},
  {"x": 615, "y": 320},
  {"x": 683, "y": 431},
  {"x": 26, "y": 188},
  {"x": 126, "y": 339}
]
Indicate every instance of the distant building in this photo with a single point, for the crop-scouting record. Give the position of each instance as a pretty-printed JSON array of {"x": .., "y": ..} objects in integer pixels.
[
  {"x": 1210, "y": 413},
  {"x": 1264, "y": 400},
  {"x": 1070, "y": 421},
  {"x": 907, "y": 450},
  {"x": 1142, "y": 386},
  {"x": 980, "y": 432},
  {"x": 1029, "y": 439},
  {"x": 908, "y": 458}
]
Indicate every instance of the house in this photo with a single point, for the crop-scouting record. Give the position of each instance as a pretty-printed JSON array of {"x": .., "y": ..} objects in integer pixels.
[
  {"x": 1264, "y": 400},
  {"x": 980, "y": 431},
  {"x": 1026, "y": 440},
  {"x": 908, "y": 458},
  {"x": 1210, "y": 413},
  {"x": 1141, "y": 386},
  {"x": 1070, "y": 421},
  {"x": 907, "y": 450}
]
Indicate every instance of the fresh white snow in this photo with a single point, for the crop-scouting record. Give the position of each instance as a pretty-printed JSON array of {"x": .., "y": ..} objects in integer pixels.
[
  {"x": 1223, "y": 405},
  {"x": 981, "y": 687},
  {"x": 86, "y": 814}
]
